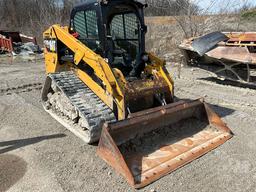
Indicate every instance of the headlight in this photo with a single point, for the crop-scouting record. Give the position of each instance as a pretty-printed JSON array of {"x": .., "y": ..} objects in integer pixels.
[{"x": 145, "y": 58}]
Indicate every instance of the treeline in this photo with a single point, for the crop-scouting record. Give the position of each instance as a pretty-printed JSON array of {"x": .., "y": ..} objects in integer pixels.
[
  {"x": 171, "y": 8},
  {"x": 34, "y": 15}
]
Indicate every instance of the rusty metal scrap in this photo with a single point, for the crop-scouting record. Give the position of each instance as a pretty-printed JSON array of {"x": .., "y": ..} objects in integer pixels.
[
  {"x": 5, "y": 44},
  {"x": 235, "y": 57},
  {"x": 239, "y": 47}
]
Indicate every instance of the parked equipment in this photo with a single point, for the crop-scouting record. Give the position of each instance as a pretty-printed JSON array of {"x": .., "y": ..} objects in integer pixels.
[{"x": 102, "y": 84}]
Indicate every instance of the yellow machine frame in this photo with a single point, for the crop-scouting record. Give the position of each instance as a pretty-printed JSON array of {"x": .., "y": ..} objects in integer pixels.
[{"x": 114, "y": 81}]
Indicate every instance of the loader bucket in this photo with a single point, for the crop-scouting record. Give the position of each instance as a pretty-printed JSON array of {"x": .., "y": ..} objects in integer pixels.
[{"x": 155, "y": 142}]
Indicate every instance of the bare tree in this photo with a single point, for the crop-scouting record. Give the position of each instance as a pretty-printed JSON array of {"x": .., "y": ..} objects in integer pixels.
[
  {"x": 34, "y": 16},
  {"x": 167, "y": 7},
  {"x": 67, "y": 5}
]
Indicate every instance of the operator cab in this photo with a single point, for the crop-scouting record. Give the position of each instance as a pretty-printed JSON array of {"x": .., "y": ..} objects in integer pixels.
[{"x": 115, "y": 30}]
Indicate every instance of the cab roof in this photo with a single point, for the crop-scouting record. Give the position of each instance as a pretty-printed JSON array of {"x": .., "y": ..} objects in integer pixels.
[{"x": 90, "y": 2}]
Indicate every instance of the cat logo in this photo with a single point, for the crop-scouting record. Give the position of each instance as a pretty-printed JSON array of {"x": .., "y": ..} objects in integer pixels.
[{"x": 50, "y": 45}]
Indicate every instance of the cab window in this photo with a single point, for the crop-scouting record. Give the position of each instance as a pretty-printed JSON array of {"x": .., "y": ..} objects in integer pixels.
[
  {"x": 85, "y": 24},
  {"x": 124, "y": 31}
]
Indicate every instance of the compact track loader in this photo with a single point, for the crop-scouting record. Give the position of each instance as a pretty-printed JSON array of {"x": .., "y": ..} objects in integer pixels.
[{"x": 103, "y": 86}]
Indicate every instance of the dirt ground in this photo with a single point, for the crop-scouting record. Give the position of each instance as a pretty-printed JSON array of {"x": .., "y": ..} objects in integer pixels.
[{"x": 39, "y": 154}]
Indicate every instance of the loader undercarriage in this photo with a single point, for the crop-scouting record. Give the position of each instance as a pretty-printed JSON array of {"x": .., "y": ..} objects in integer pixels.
[{"x": 75, "y": 106}]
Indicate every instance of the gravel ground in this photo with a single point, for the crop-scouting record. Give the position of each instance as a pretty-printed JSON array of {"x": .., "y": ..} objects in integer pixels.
[{"x": 39, "y": 154}]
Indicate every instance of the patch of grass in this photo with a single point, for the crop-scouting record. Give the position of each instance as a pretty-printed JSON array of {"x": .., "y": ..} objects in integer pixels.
[{"x": 249, "y": 15}]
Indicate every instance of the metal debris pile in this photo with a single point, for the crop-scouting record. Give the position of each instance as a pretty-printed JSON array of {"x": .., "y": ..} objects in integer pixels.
[
  {"x": 28, "y": 48},
  {"x": 18, "y": 44},
  {"x": 226, "y": 55}
]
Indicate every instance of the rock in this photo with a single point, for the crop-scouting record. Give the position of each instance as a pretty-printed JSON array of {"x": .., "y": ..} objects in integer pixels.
[
  {"x": 49, "y": 95},
  {"x": 30, "y": 47},
  {"x": 54, "y": 87},
  {"x": 47, "y": 106},
  {"x": 83, "y": 123}
]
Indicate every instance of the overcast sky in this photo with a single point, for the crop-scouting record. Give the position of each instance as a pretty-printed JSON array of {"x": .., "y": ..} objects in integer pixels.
[{"x": 216, "y": 5}]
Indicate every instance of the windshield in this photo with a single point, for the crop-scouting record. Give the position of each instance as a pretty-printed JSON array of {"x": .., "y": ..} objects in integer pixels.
[{"x": 124, "y": 37}]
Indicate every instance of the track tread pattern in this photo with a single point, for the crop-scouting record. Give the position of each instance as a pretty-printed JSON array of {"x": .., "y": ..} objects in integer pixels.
[{"x": 90, "y": 107}]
